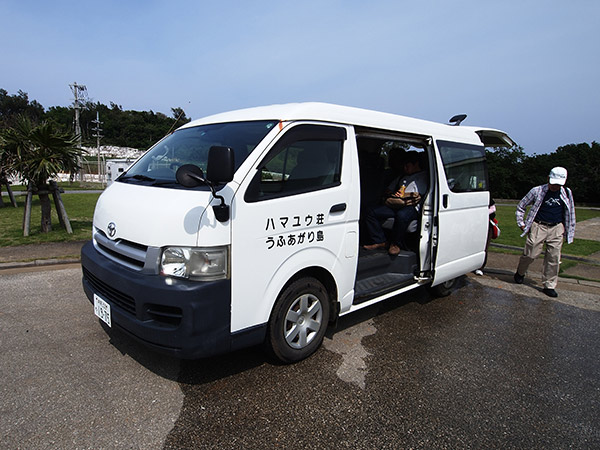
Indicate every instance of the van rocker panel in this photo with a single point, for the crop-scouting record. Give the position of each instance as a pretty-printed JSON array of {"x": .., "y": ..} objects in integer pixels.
[{"x": 193, "y": 317}]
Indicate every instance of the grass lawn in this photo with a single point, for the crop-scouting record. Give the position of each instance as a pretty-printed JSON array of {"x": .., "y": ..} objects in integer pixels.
[
  {"x": 80, "y": 210},
  {"x": 511, "y": 234}
]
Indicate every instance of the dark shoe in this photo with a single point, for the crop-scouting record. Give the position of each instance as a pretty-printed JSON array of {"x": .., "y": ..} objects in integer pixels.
[
  {"x": 550, "y": 292},
  {"x": 519, "y": 278},
  {"x": 374, "y": 246},
  {"x": 394, "y": 250}
]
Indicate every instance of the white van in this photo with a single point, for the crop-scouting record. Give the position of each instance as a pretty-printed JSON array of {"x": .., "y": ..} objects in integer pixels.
[{"x": 246, "y": 227}]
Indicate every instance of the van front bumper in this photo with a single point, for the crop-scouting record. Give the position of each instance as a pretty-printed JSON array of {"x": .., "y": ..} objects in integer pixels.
[{"x": 187, "y": 319}]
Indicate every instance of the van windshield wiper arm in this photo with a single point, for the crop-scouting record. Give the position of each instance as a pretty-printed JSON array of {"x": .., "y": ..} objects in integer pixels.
[
  {"x": 164, "y": 183},
  {"x": 143, "y": 177},
  {"x": 137, "y": 177}
]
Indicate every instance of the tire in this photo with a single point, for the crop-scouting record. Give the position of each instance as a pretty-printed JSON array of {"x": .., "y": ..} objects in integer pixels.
[
  {"x": 299, "y": 320},
  {"x": 444, "y": 289}
]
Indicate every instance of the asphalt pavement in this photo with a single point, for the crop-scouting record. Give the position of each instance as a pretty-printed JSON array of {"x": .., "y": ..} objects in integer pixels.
[
  {"x": 496, "y": 364},
  {"x": 63, "y": 385},
  {"x": 493, "y": 365}
]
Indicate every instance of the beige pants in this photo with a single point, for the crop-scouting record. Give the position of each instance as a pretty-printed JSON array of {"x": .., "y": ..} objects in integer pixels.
[{"x": 538, "y": 236}]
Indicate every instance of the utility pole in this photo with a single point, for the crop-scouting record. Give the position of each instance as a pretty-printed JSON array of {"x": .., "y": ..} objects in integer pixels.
[
  {"x": 97, "y": 130},
  {"x": 79, "y": 92}
]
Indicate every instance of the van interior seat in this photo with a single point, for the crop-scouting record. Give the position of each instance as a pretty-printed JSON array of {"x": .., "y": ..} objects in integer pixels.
[{"x": 413, "y": 226}]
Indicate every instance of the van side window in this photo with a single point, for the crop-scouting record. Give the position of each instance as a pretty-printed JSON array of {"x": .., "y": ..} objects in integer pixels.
[
  {"x": 307, "y": 158},
  {"x": 465, "y": 166}
]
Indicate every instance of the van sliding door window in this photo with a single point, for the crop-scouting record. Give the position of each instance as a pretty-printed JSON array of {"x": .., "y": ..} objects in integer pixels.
[
  {"x": 465, "y": 166},
  {"x": 307, "y": 158}
]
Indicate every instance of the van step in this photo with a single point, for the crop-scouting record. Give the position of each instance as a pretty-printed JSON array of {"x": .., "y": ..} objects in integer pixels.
[
  {"x": 379, "y": 262},
  {"x": 371, "y": 287}
]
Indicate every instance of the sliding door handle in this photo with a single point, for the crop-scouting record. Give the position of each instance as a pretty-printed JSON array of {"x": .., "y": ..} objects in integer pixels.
[{"x": 340, "y": 207}]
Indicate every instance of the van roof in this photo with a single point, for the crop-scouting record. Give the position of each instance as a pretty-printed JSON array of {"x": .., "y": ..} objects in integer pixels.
[{"x": 326, "y": 112}]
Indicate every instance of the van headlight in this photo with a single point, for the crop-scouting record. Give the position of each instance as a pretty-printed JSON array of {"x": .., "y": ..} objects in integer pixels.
[{"x": 195, "y": 263}]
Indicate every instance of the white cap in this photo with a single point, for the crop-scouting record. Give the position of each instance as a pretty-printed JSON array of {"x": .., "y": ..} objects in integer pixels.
[{"x": 558, "y": 175}]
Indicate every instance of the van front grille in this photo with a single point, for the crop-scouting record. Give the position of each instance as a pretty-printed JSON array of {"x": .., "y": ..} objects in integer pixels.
[
  {"x": 124, "y": 252},
  {"x": 107, "y": 292}
]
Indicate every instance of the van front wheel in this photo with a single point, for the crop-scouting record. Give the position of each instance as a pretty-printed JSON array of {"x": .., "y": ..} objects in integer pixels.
[{"x": 299, "y": 320}]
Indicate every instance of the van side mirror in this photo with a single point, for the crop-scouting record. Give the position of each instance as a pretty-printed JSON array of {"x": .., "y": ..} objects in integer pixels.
[
  {"x": 191, "y": 176},
  {"x": 220, "y": 166}
]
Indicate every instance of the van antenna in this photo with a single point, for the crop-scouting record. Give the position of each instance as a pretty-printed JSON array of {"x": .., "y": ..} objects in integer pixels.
[
  {"x": 176, "y": 120},
  {"x": 456, "y": 120}
]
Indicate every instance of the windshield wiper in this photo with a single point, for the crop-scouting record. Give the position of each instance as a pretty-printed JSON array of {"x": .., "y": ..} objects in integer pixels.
[
  {"x": 136, "y": 177},
  {"x": 143, "y": 177}
]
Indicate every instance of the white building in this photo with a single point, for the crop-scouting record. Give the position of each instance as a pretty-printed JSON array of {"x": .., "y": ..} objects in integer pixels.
[{"x": 115, "y": 167}]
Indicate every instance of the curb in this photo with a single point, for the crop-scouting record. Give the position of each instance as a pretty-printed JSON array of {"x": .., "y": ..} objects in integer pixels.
[
  {"x": 510, "y": 273},
  {"x": 595, "y": 262},
  {"x": 38, "y": 263}
]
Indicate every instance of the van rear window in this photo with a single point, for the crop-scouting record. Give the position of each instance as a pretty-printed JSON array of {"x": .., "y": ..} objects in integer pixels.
[{"x": 465, "y": 166}]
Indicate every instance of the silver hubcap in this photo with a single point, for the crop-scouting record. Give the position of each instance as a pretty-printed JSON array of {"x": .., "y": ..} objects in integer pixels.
[{"x": 303, "y": 321}]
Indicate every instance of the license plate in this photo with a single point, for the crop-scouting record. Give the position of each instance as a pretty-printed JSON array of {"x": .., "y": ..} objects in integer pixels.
[{"x": 102, "y": 310}]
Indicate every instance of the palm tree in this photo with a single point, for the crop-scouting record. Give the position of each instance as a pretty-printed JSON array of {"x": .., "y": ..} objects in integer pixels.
[{"x": 37, "y": 153}]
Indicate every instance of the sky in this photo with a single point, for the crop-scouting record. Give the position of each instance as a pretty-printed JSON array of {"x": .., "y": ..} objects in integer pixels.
[{"x": 528, "y": 67}]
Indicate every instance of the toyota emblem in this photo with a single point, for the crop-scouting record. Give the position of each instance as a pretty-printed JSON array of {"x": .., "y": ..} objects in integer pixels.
[{"x": 112, "y": 230}]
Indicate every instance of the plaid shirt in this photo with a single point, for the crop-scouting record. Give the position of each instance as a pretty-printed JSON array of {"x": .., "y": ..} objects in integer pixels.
[{"x": 535, "y": 197}]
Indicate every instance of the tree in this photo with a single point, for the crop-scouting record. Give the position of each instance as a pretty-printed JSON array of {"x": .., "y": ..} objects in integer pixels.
[
  {"x": 37, "y": 153},
  {"x": 583, "y": 163},
  {"x": 179, "y": 115},
  {"x": 512, "y": 173},
  {"x": 507, "y": 180},
  {"x": 12, "y": 106},
  {"x": 123, "y": 128}
]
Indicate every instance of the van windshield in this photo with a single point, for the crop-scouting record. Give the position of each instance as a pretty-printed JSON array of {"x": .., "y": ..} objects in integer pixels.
[{"x": 158, "y": 165}]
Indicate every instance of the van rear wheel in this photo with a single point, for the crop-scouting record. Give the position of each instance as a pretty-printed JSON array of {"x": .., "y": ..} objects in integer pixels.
[
  {"x": 444, "y": 289},
  {"x": 299, "y": 320}
]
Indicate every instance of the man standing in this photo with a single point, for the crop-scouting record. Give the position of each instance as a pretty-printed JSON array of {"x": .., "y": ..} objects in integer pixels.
[{"x": 551, "y": 218}]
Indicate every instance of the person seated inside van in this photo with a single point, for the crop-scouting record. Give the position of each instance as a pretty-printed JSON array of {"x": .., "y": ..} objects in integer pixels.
[{"x": 401, "y": 204}]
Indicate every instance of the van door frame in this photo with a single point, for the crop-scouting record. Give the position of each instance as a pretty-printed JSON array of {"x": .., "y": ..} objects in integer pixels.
[
  {"x": 430, "y": 205},
  {"x": 466, "y": 208},
  {"x": 263, "y": 228}
]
